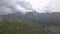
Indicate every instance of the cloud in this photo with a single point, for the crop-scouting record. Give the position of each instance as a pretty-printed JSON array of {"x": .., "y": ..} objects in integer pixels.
[
  {"x": 5, "y": 10},
  {"x": 42, "y": 5},
  {"x": 11, "y": 6},
  {"x": 7, "y": 6},
  {"x": 25, "y": 4},
  {"x": 56, "y": 5}
]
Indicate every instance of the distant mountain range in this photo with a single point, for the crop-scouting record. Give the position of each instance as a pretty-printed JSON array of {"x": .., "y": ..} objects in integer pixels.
[
  {"x": 32, "y": 14},
  {"x": 47, "y": 21}
]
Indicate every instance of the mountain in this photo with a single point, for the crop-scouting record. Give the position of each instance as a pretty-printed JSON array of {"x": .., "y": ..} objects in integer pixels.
[
  {"x": 45, "y": 20},
  {"x": 18, "y": 26},
  {"x": 14, "y": 15},
  {"x": 40, "y": 18}
]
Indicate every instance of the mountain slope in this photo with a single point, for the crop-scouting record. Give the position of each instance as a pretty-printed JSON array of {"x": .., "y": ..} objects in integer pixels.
[
  {"x": 16, "y": 26},
  {"x": 55, "y": 29}
]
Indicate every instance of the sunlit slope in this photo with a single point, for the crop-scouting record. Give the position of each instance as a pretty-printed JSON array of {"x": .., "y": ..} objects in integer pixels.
[{"x": 16, "y": 26}]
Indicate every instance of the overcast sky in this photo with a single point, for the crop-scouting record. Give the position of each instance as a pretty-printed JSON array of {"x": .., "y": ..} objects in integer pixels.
[{"x": 11, "y": 6}]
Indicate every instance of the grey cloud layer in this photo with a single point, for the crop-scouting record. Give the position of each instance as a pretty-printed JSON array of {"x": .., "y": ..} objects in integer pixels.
[
  {"x": 25, "y": 5},
  {"x": 9, "y": 6}
]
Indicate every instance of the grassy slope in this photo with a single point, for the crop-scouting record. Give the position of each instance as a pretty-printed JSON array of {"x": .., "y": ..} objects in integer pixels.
[
  {"x": 15, "y": 26},
  {"x": 55, "y": 29}
]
